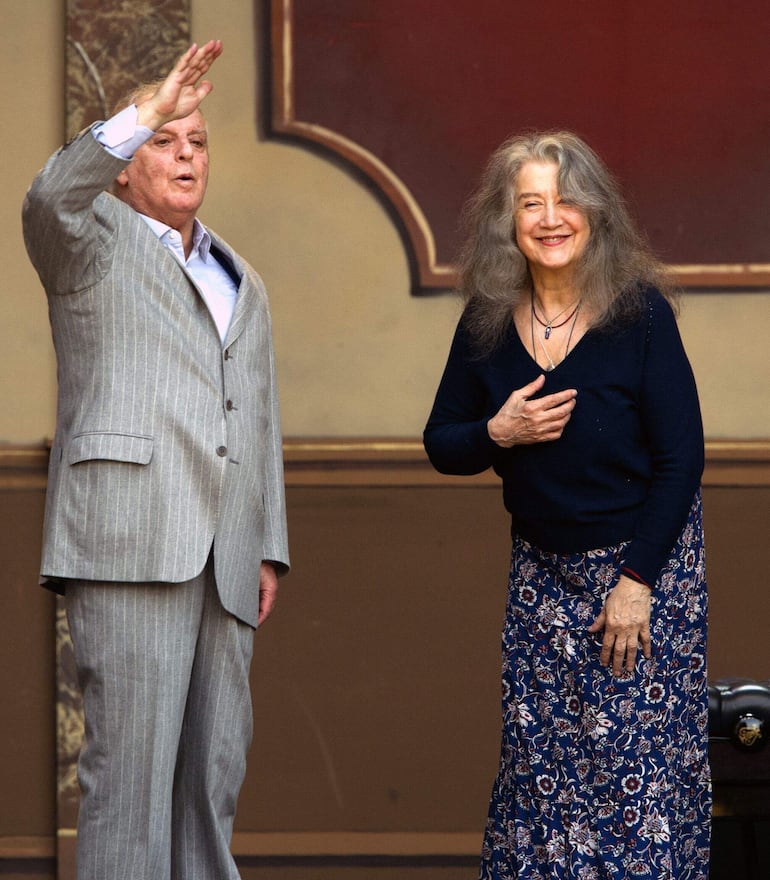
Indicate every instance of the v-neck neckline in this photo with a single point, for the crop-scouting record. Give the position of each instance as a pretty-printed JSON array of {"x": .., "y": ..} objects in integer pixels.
[{"x": 534, "y": 360}]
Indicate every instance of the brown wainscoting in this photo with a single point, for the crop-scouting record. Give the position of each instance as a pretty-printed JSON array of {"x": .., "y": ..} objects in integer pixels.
[
  {"x": 376, "y": 682},
  {"x": 402, "y": 462},
  {"x": 27, "y": 663},
  {"x": 26, "y": 847},
  {"x": 30, "y": 858}
]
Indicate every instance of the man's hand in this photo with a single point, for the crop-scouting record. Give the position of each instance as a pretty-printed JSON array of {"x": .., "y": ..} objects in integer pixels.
[
  {"x": 625, "y": 620},
  {"x": 182, "y": 91},
  {"x": 268, "y": 591},
  {"x": 521, "y": 420}
]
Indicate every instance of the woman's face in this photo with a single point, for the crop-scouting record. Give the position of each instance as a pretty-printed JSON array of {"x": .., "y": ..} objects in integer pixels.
[{"x": 551, "y": 233}]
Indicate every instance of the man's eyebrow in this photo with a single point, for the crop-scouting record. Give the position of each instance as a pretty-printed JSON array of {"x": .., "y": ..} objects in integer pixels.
[{"x": 168, "y": 131}]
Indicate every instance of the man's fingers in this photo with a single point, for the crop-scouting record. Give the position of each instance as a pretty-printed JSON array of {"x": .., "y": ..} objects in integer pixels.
[
  {"x": 196, "y": 61},
  {"x": 204, "y": 57}
]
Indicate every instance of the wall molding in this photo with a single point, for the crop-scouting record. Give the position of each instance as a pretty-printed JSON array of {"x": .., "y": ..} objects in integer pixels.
[
  {"x": 393, "y": 164},
  {"x": 27, "y": 847},
  {"x": 351, "y": 844},
  {"x": 303, "y": 844},
  {"x": 399, "y": 462}
]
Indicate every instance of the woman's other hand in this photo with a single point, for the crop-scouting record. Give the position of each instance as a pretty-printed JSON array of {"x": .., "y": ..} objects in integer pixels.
[
  {"x": 521, "y": 420},
  {"x": 625, "y": 620}
]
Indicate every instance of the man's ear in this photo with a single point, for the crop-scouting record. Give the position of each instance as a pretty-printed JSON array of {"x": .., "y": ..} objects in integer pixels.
[{"x": 122, "y": 178}]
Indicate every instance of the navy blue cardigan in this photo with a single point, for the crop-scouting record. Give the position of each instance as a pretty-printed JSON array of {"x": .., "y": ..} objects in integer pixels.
[{"x": 629, "y": 461}]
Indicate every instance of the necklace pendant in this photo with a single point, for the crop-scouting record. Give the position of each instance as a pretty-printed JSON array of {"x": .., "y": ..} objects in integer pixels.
[{"x": 548, "y": 332}]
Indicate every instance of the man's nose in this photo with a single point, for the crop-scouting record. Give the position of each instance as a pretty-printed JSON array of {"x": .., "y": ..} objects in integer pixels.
[{"x": 184, "y": 150}]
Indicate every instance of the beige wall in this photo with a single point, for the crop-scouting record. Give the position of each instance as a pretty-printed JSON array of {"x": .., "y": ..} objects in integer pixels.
[
  {"x": 31, "y": 108},
  {"x": 357, "y": 354}
]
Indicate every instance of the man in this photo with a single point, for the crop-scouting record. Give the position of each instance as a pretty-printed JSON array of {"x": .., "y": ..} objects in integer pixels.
[{"x": 165, "y": 516}]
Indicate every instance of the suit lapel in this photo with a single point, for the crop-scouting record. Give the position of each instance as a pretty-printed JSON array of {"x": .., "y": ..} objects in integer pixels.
[
  {"x": 236, "y": 268},
  {"x": 247, "y": 292}
]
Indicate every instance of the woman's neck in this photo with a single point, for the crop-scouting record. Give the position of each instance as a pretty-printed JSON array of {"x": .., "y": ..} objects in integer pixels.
[
  {"x": 554, "y": 290},
  {"x": 554, "y": 299}
]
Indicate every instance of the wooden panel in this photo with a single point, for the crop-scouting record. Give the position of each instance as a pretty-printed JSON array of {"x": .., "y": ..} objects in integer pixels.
[
  {"x": 376, "y": 683},
  {"x": 418, "y": 100},
  {"x": 379, "y": 462},
  {"x": 402, "y": 462},
  {"x": 27, "y": 744}
]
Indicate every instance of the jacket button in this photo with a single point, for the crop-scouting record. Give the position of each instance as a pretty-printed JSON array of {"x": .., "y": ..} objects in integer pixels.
[
  {"x": 221, "y": 451},
  {"x": 229, "y": 405},
  {"x": 227, "y": 354}
]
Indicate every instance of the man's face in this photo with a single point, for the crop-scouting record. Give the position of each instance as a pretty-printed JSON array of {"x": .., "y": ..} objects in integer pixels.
[{"x": 167, "y": 177}]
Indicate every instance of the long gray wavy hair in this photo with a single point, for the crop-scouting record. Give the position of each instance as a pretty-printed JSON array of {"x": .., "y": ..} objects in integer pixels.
[{"x": 613, "y": 270}]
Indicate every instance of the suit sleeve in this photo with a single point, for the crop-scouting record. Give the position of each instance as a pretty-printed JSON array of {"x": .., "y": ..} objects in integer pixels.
[
  {"x": 276, "y": 547},
  {"x": 69, "y": 250}
]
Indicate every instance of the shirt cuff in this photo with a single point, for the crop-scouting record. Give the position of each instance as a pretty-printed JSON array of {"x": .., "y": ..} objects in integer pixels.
[{"x": 120, "y": 135}]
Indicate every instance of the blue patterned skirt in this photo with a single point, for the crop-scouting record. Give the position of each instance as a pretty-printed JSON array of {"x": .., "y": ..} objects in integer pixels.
[{"x": 601, "y": 777}]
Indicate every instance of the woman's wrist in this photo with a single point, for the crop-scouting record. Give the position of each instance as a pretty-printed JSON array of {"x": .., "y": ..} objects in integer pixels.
[{"x": 499, "y": 439}]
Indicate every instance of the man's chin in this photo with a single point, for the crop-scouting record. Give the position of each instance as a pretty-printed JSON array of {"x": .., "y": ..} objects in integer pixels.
[{"x": 186, "y": 203}]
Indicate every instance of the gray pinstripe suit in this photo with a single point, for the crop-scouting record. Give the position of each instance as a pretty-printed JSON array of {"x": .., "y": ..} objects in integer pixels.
[{"x": 167, "y": 455}]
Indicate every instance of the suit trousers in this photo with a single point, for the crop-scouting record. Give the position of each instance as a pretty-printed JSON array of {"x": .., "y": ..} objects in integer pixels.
[{"x": 164, "y": 672}]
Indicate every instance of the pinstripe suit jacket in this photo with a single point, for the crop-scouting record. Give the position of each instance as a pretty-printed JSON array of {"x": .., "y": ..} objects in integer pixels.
[{"x": 167, "y": 442}]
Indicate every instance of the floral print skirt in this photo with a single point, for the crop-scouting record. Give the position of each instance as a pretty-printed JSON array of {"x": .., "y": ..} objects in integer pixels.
[{"x": 601, "y": 777}]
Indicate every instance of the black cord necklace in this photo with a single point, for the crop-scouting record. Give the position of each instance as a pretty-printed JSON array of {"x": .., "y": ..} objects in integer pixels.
[
  {"x": 574, "y": 315},
  {"x": 549, "y": 324}
]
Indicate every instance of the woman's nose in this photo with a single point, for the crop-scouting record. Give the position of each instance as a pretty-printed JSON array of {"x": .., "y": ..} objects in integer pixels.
[{"x": 550, "y": 214}]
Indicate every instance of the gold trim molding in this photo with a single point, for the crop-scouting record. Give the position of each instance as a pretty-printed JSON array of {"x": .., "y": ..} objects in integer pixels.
[
  {"x": 27, "y": 848},
  {"x": 342, "y": 844},
  {"x": 399, "y": 462},
  {"x": 430, "y": 273}
]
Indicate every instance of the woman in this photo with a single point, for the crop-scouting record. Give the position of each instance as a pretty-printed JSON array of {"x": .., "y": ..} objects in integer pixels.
[{"x": 567, "y": 376}]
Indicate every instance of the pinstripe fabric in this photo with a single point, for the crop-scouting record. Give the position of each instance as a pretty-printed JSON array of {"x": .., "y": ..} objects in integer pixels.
[
  {"x": 167, "y": 455},
  {"x": 166, "y": 443},
  {"x": 164, "y": 672}
]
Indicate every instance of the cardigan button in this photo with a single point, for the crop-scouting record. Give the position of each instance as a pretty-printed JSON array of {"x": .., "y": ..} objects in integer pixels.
[{"x": 221, "y": 451}]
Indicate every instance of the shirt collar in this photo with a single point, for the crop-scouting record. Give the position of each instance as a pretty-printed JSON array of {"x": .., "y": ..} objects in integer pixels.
[{"x": 201, "y": 237}]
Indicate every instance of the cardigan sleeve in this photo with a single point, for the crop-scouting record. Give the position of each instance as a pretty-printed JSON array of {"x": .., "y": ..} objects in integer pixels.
[
  {"x": 455, "y": 437},
  {"x": 671, "y": 421}
]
